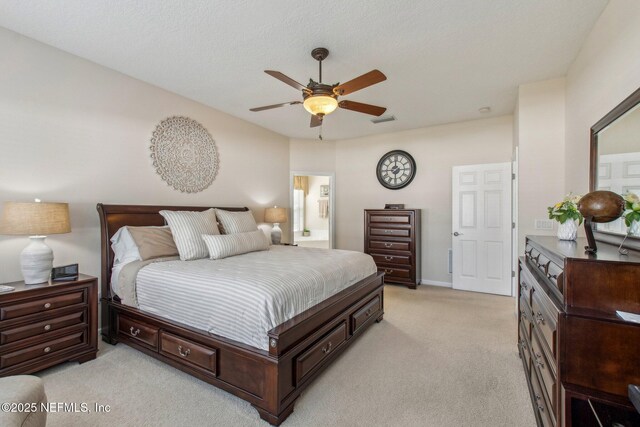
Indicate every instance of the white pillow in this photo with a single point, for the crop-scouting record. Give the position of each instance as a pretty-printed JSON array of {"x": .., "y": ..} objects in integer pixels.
[
  {"x": 124, "y": 247},
  {"x": 187, "y": 228},
  {"x": 226, "y": 245},
  {"x": 236, "y": 222}
]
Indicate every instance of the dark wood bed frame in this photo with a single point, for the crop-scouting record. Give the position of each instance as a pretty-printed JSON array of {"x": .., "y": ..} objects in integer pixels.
[{"x": 271, "y": 381}]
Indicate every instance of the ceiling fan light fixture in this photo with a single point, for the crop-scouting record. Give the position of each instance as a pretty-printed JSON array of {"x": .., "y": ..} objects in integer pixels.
[{"x": 320, "y": 104}]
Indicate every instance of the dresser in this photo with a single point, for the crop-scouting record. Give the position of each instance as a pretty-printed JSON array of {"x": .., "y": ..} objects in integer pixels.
[
  {"x": 579, "y": 357},
  {"x": 392, "y": 238},
  {"x": 47, "y": 324}
]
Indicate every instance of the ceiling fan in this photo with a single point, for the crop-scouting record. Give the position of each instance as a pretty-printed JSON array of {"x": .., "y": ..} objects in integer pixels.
[{"x": 321, "y": 99}]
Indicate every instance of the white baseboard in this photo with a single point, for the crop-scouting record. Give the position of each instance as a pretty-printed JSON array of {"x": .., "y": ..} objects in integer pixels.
[{"x": 435, "y": 283}]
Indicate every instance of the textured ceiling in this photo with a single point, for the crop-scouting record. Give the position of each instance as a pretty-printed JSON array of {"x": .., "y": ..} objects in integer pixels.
[{"x": 443, "y": 59}]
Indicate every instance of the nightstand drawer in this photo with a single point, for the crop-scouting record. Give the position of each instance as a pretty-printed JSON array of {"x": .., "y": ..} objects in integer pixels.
[
  {"x": 42, "y": 305},
  {"x": 180, "y": 348},
  {"x": 43, "y": 327},
  {"x": 41, "y": 350},
  {"x": 138, "y": 331}
]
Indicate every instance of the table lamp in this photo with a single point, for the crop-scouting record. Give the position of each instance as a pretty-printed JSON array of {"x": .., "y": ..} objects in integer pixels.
[
  {"x": 277, "y": 216},
  {"x": 37, "y": 220}
]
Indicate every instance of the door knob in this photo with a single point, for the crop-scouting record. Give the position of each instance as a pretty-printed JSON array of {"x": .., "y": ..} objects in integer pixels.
[{"x": 457, "y": 234}]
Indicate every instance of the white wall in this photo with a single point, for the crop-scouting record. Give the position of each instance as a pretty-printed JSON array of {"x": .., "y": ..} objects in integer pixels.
[
  {"x": 74, "y": 131},
  {"x": 436, "y": 150},
  {"x": 604, "y": 73},
  {"x": 312, "y": 155},
  {"x": 540, "y": 125}
]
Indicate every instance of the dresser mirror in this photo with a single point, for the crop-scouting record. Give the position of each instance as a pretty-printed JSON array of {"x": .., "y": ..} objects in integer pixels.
[{"x": 615, "y": 163}]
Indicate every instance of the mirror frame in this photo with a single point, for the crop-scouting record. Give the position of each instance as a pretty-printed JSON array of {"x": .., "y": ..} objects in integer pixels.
[{"x": 631, "y": 242}]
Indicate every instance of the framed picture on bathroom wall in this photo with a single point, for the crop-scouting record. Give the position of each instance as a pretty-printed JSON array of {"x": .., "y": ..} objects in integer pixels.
[{"x": 324, "y": 191}]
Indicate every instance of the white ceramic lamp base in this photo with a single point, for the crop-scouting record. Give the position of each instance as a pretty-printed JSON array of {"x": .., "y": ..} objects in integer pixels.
[
  {"x": 36, "y": 261},
  {"x": 276, "y": 234}
]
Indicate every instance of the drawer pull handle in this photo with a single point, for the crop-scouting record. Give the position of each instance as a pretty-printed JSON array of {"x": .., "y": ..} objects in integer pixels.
[
  {"x": 47, "y": 349},
  {"x": 387, "y": 231},
  {"x": 388, "y": 258},
  {"x": 388, "y": 245},
  {"x": 47, "y": 327},
  {"x": 540, "y": 407},
  {"x": 388, "y": 270},
  {"x": 537, "y": 356},
  {"x": 523, "y": 344},
  {"x": 326, "y": 349},
  {"x": 47, "y": 305},
  {"x": 367, "y": 313},
  {"x": 539, "y": 318},
  {"x": 134, "y": 333},
  {"x": 185, "y": 353},
  {"x": 552, "y": 276}
]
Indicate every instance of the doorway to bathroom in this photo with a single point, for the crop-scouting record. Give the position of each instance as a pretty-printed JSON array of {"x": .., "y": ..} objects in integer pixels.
[{"x": 312, "y": 209}]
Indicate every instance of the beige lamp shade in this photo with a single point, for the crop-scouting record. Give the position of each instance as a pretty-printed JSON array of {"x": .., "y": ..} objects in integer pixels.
[
  {"x": 275, "y": 215},
  {"x": 34, "y": 219}
]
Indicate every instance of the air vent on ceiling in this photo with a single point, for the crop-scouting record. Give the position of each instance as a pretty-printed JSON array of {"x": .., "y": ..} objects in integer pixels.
[{"x": 383, "y": 119}]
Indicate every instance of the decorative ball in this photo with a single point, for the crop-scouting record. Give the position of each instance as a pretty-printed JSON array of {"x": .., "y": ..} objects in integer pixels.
[{"x": 601, "y": 206}]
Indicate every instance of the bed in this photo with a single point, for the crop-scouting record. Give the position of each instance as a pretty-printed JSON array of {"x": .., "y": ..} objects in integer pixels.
[{"x": 283, "y": 360}]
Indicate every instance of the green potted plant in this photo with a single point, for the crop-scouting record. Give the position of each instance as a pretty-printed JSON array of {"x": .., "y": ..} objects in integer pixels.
[
  {"x": 567, "y": 214},
  {"x": 631, "y": 213},
  {"x": 306, "y": 232}
]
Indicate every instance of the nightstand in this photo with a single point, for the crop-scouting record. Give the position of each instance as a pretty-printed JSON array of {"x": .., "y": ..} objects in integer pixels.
[{"x": 47, "y": 324}]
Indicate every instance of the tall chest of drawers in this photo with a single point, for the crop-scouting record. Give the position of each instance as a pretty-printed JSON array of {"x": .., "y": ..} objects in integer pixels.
[
  {"x": 44, "y": 325},
  {"x": 579, "y": 357},
  {"x": 392, "y": 238}
]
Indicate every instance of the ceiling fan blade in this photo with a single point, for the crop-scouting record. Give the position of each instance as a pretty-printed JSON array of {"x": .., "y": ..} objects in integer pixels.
[
  {"x": 288, "y": 80},
  {"x": 268, "y": 107},
  {"x": 365, "y": 80},
  {"x": 362, "y": 108},
  {"x": 315, "y": 121}
]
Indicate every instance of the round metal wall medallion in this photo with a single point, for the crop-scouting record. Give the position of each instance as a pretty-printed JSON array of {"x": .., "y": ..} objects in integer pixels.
[{"x": 184, "y": 154}]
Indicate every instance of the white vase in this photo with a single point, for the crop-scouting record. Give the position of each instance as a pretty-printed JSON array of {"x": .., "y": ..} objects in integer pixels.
[
  {"x": 568, "y": 230},
  {"x": 634, "y": 228},
  {"x": 36, "y": 261}
]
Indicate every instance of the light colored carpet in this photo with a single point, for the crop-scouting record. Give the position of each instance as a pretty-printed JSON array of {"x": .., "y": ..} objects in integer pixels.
[{"x": 439, "y": 358}]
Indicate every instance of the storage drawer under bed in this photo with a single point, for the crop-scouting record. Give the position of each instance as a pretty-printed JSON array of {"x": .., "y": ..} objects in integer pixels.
[
  {"x": 180, "y": 348},
  {"x": 137, "y": 331},
  {"x": 307, "y": 362}
]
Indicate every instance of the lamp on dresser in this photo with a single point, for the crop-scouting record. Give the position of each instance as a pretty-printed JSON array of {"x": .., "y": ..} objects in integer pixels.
[
  {"x": 37, "y": 220},
  {"x": 276, "y": 216}
]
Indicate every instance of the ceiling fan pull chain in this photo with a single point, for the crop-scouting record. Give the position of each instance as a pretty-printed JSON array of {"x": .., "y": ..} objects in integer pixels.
[{"x": 320, "y": 132}]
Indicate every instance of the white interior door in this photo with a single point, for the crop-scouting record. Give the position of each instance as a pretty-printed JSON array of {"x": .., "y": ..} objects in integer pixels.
[{"x": 481, "y": 228}]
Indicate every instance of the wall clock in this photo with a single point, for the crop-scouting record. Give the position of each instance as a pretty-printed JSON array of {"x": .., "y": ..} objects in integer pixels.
[{"x": 396, "y": 169}]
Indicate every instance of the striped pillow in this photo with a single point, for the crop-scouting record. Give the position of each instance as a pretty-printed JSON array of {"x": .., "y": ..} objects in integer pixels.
[
  {"x": 236, "y": 222},
  {"x": 187, "y": 227},
  {"x": 226, "y": 245}
]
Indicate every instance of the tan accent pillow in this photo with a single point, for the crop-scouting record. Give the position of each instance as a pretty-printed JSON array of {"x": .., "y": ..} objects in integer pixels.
[{"x": 153, "y": 242}]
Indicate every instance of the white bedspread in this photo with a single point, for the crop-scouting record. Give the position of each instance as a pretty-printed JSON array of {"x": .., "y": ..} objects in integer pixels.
[{"x": 245, "y": 296}]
